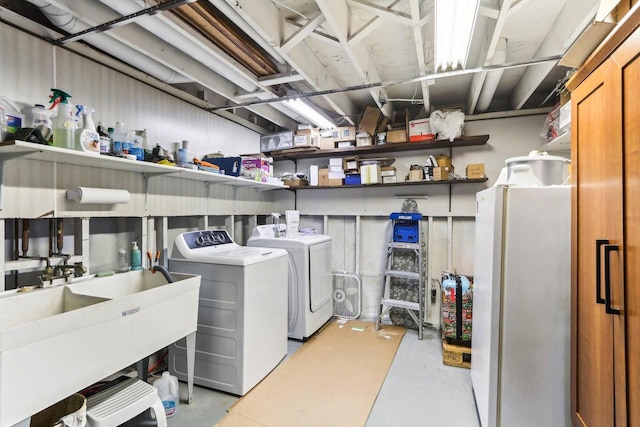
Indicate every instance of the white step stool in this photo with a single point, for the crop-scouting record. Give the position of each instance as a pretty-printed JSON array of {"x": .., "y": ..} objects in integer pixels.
[{"x": 120, "y": 403}]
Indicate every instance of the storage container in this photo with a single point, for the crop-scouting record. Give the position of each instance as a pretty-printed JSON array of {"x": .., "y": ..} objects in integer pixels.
[{"x": 551, "y": 170}]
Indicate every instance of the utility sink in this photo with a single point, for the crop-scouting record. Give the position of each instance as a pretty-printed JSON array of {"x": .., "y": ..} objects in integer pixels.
[{"x": 57, "y": 341}]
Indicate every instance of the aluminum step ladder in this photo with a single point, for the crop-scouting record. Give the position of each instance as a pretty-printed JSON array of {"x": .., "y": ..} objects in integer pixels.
[{"x": 407, "y": 236}]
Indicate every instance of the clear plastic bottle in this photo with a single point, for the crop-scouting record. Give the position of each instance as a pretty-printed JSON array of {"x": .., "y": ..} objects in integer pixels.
[
  {"x": 168, "y": 390},
  {"x": 121, "y": 139}
]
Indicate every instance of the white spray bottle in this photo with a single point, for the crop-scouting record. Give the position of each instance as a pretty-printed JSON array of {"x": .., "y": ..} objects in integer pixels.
[{"x": 87, "y": 138}]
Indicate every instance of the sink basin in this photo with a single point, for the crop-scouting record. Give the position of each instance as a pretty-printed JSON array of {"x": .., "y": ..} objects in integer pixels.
[{"x": 57, "y": 341}]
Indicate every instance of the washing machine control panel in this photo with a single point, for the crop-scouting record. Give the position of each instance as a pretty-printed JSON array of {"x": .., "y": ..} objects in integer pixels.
[{"x": 206, "y": 238}]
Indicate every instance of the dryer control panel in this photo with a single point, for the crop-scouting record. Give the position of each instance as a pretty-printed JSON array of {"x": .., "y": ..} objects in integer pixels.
[{"x": 206, "y": 238}]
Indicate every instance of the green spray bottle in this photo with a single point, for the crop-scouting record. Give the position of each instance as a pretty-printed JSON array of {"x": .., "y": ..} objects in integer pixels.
[{"x": 64, "y": 125}]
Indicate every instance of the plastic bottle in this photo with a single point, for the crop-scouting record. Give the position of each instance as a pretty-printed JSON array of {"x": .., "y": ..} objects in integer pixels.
[
  {"x": 14, "y": 118},
  {"x": 105, "y": 140},
  {"x": 136, "y": 148},
  {"x": 63, "y": 123},
  {"x": 121, "y": 139},
  {"x": 136, "y": 257},
  {"x": 168, "y": 390},
  {"x": 87, "y": 138},
  {"x": 3, "y": 125},
  {"x": 38, "y": 117},
  {"x": 123, "y": 266}
]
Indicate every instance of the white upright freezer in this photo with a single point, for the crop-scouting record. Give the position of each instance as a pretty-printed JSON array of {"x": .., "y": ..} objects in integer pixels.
[{"x": 521, "y": 306}]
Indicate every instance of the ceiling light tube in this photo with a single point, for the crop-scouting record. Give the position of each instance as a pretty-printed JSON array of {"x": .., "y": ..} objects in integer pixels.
[
  {"x": 454, "y": 24},
  {"x": 309, "y": 113}
]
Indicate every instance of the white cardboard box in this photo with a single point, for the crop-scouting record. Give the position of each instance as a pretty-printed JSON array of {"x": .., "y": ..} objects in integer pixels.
[{"x": 313, "y": 175}]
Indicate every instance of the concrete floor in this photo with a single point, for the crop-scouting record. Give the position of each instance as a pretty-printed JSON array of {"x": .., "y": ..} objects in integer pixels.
[{"x": 418, "y": 391}]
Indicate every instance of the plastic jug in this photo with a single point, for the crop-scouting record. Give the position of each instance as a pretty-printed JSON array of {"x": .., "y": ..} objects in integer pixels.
[
  {"x": 168, "y": 390},
  {"x": 13, "y": 117}
]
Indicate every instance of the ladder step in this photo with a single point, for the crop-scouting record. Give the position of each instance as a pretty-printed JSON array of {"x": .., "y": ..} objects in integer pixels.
[
  {"x": 402, "y": 245},
  {"x": 402, "y": 274},
  {"x": 400, "y": 304}
]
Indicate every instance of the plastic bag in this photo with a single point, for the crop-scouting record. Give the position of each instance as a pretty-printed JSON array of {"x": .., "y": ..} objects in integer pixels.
[{"x": 447, "y": 125}]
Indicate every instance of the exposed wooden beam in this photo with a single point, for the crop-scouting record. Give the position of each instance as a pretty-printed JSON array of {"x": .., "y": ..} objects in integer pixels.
[
  {"x": 336, "y": 13},
  {"x": 557, "y": 41},
  {"x": 266, "y": 19},
  {"x": 318, "y": 35},
  {"x": 419, "y": 43},
  {"x": 314, "y": 22},
  {"x": 383, "y": 12}
]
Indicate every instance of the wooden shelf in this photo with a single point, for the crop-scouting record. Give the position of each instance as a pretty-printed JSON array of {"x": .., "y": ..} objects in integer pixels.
[
  {"x": 295, "y": 154},
  {"x": 394, "y": 184},
  {"x": 20, "y": 149}
]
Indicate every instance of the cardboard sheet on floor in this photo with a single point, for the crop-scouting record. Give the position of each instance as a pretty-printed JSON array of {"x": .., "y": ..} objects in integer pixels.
[{"x": 333, "y": 379}]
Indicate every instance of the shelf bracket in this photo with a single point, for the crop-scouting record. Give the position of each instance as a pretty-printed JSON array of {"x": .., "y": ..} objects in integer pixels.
[{"x": 146, "y": 176}]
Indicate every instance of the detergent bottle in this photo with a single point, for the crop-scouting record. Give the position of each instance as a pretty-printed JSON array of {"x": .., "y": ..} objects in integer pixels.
[
  {"x": 87, "y": 138},
  {"x": 168, "y": 390},
  {"x": 64, "y": 123},
  {"x": 38, "y": 117}
]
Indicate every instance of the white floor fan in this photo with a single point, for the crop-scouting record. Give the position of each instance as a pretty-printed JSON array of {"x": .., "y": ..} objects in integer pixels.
[{"x": 347, "y": 295}]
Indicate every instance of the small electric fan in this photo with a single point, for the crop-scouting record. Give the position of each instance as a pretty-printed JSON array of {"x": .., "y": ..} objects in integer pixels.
[{"x": 347, "y": 291}]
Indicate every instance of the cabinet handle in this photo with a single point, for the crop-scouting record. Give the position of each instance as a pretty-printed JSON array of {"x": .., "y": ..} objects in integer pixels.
[
  {"x": 599, "y": 244},
  {"x": 607, "y": 279}
]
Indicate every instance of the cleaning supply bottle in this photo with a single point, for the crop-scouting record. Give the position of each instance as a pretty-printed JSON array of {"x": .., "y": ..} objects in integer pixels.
[
  {"x": 63, "y": 123},
  {"x": 40, "y": 118},
  {"x": 122, "y": 140},
  {"x": 87, "y": 138},
  {"x": 123, "y": 266},
  {"x": 13, "y": 117},
  {"x": 136, "y": 257},
  {"x": 105, "y": 140},
  {"x": 168, "y": 390}
]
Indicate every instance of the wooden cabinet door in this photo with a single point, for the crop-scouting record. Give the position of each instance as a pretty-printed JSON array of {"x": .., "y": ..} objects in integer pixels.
[
  {"x": 597, "y": 217},
  {"x": 628, "y": 59}
]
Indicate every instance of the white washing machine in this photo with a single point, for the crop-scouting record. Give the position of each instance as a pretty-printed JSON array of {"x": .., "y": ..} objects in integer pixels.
[
  {"x": 242, "y": 312},
  {"x": 310, "y": 277}
]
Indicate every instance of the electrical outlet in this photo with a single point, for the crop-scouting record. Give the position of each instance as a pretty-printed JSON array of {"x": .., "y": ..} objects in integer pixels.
[{"x": 433, "y": 296}]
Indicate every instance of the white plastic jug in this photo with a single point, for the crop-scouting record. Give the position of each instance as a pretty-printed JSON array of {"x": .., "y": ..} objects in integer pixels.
[{"x": 168, "y": 390}]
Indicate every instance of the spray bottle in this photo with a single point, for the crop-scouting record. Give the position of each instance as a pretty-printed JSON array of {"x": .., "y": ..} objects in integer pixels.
[
  {"x": 87, "y": 139},
  {"x": 64, "y": 123}
]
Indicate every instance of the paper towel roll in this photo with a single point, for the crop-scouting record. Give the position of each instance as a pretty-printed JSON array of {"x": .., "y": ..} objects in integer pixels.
[{"x": 84, "y": 195}]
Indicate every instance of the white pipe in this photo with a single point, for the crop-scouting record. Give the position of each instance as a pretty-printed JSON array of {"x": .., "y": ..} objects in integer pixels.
[
  {"x": 166, "y": 31},
  {"x": 71, "y": 24},
  {"x": 492, "y": 78}
]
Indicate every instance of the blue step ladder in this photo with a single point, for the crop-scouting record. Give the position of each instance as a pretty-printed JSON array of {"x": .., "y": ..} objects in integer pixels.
[{"x": 407, "y": 235}]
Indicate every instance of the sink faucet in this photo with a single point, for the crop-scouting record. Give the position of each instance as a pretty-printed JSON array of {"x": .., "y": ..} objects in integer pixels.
[{"x": 60, "y": 274}]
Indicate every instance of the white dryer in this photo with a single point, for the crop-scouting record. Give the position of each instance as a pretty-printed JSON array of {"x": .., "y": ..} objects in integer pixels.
[
  {"x": 310, "y": 277},
  {"x": 242, "y": 312}
]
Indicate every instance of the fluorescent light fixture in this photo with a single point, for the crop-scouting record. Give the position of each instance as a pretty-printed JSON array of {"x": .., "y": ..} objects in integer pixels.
[
  {"x": 309, "y": 113},
  {"x": 455, "y": 20}
]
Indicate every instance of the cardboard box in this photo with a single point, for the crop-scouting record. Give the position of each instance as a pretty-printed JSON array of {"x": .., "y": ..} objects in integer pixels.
[
  {"x": 389, "y": 179},
  {"x": 370, "y": 174},
  {"x": 306, "y": 140},
  {"x": 344, "y": 133},
  {"x": 397, "y": 135},
  {"x": 415, "y": 175},
  {"x": 441, "y": 173},
  {"x": 351, "y": 164},
  {"x": 420, "y": 130},
  {"x": 327, "y": 143},
  {"x": 324, "y": 181},
  {"x": 444, "y": 161},
  {"x": 345, "y": 144},
  {"x": 475, "y": 170},
  {"x": 370, "y": 119},
  {"x": 296, "y": 182},
  {"x": 313, "y": 175},
  {"x": 388, "y": 171},
  {"x": 363, "y": 141}
]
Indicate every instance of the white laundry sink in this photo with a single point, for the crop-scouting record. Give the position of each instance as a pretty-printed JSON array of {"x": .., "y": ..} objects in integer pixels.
[{"x": 56, "y": 341}]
